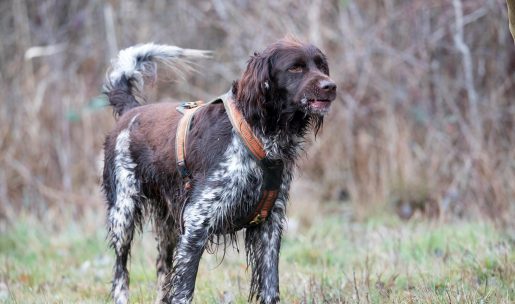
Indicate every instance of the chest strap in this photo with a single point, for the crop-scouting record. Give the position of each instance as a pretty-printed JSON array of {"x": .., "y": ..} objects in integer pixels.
[
  {"x": 188, "y": 110},
  {"x": 272, "y": 169}
]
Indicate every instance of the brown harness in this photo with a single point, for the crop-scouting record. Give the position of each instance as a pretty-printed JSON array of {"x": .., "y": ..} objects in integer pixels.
[{"x": 272, "y": 169}]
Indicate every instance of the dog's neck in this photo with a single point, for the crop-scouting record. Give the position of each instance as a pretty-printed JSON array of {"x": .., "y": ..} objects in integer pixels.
[{"x": 282, "y": 129}]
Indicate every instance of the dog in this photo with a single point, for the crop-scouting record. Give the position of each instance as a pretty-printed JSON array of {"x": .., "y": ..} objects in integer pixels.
[{"x": 283, "y": 94}]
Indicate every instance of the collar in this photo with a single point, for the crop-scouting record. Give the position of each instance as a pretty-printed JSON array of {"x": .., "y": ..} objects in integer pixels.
[{"x": 252, "y": 142}]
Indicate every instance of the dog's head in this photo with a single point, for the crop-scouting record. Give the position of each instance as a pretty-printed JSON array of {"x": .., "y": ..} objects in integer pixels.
[{"x": 288, "y": 80}]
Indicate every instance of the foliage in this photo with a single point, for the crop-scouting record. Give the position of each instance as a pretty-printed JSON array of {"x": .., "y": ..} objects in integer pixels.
[{"x": 424, "y": 104}]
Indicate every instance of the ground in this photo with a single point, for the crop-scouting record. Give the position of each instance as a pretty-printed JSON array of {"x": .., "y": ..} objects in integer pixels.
[{"x": 331, "y": 260}]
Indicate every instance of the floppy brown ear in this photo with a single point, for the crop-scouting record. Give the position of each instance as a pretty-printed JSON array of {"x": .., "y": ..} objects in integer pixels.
[{"x": 254, "y": 86}]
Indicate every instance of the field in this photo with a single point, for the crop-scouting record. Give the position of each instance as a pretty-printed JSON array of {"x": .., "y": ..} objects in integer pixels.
[
  {"x": 423, "y": 128},
  {"x": 334, "y": 260}
]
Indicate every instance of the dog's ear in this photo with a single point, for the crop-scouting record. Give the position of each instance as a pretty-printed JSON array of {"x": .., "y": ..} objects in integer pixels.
[
  {"x": 254, "y": 86},
  {"x": 259, "y": 68}
]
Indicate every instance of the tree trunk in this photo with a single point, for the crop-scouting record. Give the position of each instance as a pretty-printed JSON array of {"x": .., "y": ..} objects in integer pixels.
[{"x": 511, "y": 16}]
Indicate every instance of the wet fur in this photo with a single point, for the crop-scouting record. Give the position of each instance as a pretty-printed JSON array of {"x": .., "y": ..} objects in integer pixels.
[{"x": 140, "y": 179}]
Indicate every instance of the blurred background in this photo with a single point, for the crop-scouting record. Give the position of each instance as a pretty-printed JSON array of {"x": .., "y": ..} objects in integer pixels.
[
  {"x": 424, "y": 121},
  {"x": 406, "y": 196}
]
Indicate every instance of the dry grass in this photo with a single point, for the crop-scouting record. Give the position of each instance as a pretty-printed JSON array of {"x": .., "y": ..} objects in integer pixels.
[{"x": 423, "y": 118}]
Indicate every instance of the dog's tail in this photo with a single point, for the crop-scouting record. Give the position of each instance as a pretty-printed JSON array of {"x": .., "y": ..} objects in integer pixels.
[{"x": 125, "y": 81}]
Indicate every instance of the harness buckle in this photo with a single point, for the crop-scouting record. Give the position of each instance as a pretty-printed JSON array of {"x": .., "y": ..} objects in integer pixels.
[
  {"x": 257, "y": 220},
  {"x": 183, "y": 170},
  {"x": 190, "y": 104}
]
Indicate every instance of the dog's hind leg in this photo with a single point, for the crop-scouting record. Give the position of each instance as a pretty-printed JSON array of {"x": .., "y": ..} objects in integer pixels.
[
  {"x": 166, "y": 241},
  {"x": 124, "y": 213}
]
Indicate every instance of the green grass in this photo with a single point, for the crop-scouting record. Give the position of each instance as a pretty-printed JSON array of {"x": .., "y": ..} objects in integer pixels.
[{"x": 333, "y": 261}]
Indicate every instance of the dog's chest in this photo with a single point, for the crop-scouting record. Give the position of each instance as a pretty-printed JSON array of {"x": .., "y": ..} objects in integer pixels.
[{"x": 233, "y": 188}]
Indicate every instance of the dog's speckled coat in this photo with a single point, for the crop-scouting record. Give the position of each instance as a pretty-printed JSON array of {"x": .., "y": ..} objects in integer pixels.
[{"x": 283, "y": 92}]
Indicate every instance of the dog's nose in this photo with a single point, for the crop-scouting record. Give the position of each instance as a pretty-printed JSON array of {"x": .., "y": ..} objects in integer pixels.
[{"x": 327, "y": 86}]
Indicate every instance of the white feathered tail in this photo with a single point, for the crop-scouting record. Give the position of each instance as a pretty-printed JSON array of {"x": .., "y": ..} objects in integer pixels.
[{"x": 136, "y": 63}]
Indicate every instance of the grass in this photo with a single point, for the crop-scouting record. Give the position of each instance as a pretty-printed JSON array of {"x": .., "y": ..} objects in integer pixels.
[{"x": 380, "y": 260}]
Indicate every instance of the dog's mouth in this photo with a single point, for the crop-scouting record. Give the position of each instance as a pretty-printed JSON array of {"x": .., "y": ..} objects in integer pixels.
[{"x": 317, "y": 106}]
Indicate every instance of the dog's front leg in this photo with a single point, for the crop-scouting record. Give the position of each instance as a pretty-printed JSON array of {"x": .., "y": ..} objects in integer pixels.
[
  {"x": 262, "y": 244},
  {"x": 187, "y": 255}
]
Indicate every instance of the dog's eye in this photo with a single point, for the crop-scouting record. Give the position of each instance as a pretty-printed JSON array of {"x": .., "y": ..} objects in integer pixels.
[{"x": 296, "y": 69}]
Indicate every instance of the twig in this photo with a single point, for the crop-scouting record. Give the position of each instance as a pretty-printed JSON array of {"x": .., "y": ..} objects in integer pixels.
[
  {"x": 462, "y": 47},
  {"x": 355, "y": 286},
  {"x": 314, "y": 21},
  {"x": 48, "y": 50},
  {"x": 110, "y": 30},
  {"x": 22, "y": 29}
]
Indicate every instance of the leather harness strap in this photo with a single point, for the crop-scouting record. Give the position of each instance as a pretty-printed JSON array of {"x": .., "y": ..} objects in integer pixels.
[
  {"x": 272, "y": 169},
  {"x": 188, "y": 109},
  {"x": 243, "y": 129}
]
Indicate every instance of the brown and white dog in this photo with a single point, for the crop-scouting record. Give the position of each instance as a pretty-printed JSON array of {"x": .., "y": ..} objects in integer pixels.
[{"x": 283, "y": 93}]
